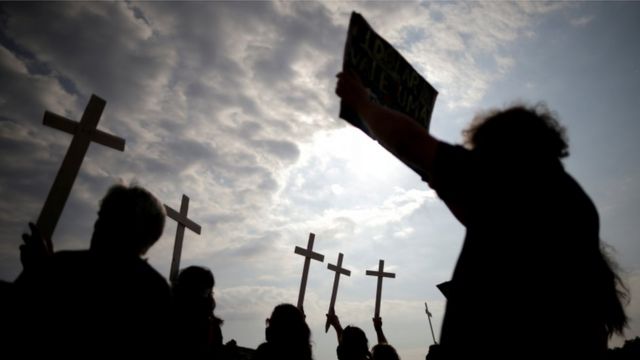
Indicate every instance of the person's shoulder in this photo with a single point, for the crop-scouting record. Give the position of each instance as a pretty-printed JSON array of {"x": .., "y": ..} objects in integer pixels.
[
  {"x": 448, "y": 158},
  {"x": 151, "y": 277},
  {"x": 450, "y": 155},
  {"x": 71, "y": 254},
  {"x": 264, "y": 351},
  {"x": 65, "y": 258},
  {"x": 146, "y": 268}
]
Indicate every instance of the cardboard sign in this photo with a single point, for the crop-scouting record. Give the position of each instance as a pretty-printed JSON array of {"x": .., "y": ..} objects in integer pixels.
[{"x": 392, "y": 81}]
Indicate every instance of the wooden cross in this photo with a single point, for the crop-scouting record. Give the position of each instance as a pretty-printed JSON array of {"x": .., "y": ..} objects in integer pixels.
[
  {"x": 308, "y": 255},
  {"x": 183, "y": 221},
  {"x": 83, "y": 133},
  {"x": 426, "y": 309},
  {"x": 380, "y": 274},
  {"x": 336, "y": 279}
]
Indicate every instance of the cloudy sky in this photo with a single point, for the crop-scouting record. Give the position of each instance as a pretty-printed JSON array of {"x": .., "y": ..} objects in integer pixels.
[{"x": 233, "y": 105}]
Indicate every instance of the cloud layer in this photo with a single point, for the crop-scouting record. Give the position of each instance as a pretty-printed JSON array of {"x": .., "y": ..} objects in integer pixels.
[{"x": 232, "y": 104}]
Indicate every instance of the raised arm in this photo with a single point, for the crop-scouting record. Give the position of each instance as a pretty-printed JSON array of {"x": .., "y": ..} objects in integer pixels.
[
  {"x": 335, "y": 322},
  {"x": 377, "y": 325},
  {"x": 397, "y": 132}
]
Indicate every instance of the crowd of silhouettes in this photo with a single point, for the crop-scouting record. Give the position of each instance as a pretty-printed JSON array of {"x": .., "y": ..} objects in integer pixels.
[
  {"x": 107, "y": 300},
  {"x": 531, "y": 280}
]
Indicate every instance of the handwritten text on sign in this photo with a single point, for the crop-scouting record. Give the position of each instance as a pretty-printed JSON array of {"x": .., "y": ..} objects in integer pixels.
[{"x": 391, "y": 79}]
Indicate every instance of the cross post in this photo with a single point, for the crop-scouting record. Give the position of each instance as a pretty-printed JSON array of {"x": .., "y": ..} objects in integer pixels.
[
  {"x": 183, "y": 221},
  {"x": 380, "y": 274},
  {"x": 426, "y": 309},
  {"x": 336, "y": 279},
  {"x": 84, "y": 132},
  {"x": 308, "y": 255}
]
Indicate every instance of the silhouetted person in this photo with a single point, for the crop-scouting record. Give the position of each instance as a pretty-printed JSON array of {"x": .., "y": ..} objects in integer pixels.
[
  {"x": 531, "y": 279},
  {"x": 353, "y": 344},
  {"x": 629, "y": 351},
  {"x": 377, "y": 326},
  {"x": 9, "y": 318},
  {"x": 105, "y": 301},
  {"x": 198, "y": 331},
  {"x": 384, "y": 351},
  {"x": 287, "y": 334},
  {"x": 352, "y": 341}
]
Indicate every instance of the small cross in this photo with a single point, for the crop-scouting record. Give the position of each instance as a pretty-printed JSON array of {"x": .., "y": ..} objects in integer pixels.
[
  {"x": 83, "y": 133},
  {"x": 308, "y": 255},
  {"x": 380, "y": 274},
  {"x": 426, "y": 309},
  {"x": 183, "y": 221},
  {"x": 336, "y": 279}
]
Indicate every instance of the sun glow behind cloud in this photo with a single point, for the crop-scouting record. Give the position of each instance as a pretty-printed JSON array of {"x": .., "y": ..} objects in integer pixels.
[{"x": 233, "y": 105}]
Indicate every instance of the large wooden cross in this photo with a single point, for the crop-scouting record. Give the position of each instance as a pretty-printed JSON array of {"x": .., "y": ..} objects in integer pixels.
[
  {"x": 380, "y": 274},
  {"x": 83, "y": 133},
  {"x": 308, "y": 255},
  {"x": 336, "y": 279},
  {"x": 183, "y": 221}
]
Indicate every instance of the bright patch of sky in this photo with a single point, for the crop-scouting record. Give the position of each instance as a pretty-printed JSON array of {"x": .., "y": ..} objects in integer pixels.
[{"x": 233, "y": 105}]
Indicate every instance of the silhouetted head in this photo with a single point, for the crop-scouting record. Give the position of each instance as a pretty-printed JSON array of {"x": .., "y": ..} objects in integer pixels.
[
  {"x": 288, "y": 330},
  {"x": 353, "y": 344},
  {"x": 517, "y": 132},
  {"x": 384, "y": 352},
  {"x": 130, "y": 221},
  {"x": 194, "y": 288}
]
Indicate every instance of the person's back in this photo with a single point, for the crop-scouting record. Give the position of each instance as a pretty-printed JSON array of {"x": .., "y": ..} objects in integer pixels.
[
  {"x": 353, "y": 344},
  {"x": 105, "y": 301},
  {"x": 101, "y": 305},
  {"x": 531, "y": 266},
  {"x": 384, "y": 352},
  {"x": 287, "y": 334},
  {"x": 531, "y": 280}
]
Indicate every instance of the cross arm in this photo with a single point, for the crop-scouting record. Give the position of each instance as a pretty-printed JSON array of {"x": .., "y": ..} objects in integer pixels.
[
  {"x": 182, "y": 220},
  {"x": 339, "y": 269},
  {"x": 310, "y": 254},
  {"x": 380, "y": 273},
  {"x": 71, "y": 127}
]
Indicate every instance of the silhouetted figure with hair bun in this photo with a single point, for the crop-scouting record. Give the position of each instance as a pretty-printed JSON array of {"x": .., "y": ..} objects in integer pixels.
[
  {"x": 198, "y": 331},
  {"x": 352, "y": 341},
  {"x": 383, "y": 350},
  {"x": 287, "y": 334},
  {"x": 102, "y": 302},
  {"x": 531, "y": 279}
]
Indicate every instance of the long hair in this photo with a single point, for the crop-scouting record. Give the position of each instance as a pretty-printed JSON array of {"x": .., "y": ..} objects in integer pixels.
[
  {"x": 288, "y": 332},
  {"x": 520, "y": 130},
  {"x": 193, "y": 292},
  {"x": 614, "y": 294},
  {"x": 353, "y": 344}
]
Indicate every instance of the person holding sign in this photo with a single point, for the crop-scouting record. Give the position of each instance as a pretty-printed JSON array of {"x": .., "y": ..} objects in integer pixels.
[{"x": 531, "y": 279}]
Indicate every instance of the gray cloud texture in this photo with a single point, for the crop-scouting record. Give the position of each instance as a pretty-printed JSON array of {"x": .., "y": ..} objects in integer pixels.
[{"x": 232, "y": 104}]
